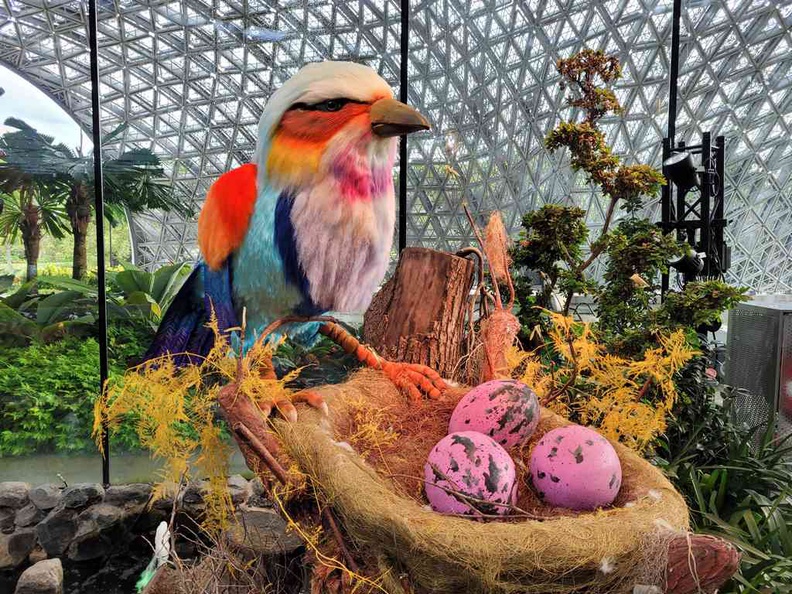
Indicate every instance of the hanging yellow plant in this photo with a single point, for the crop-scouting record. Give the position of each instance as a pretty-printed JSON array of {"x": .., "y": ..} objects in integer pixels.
[
  {"x": 174, "y": 411},
  {"x": 625, "y": 399}
]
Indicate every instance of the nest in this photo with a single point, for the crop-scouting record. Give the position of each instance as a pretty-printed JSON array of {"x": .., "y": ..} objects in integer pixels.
[{"x": 559, "y": 551}]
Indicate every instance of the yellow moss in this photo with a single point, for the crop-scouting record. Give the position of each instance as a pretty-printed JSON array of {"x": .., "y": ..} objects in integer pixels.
[
  {"x": 371, "y": 430},
  {"x": 174, "y": 411},
  {"x": 626, "y": 400}
]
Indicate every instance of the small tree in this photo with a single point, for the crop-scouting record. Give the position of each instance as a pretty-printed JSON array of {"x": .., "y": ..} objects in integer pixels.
[
  {"x": 31, "y": 177},
  {"x": 638, "y": 251},
  {"x": 587, "y": 75},
  {"x": 134, "y": 181}
]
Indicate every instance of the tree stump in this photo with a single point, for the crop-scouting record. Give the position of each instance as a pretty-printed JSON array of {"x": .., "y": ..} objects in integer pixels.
[{"x": 419, "y": 315}]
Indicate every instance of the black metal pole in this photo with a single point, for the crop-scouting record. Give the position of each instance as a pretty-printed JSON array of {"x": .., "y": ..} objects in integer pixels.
[
  {"x": 665, "y": 210},
  {"x": 403, "y": 80},
  {"x": 93, "y": 41},
  {"x": 705, "y": 199},
  {"x": 673, "y": 74}
]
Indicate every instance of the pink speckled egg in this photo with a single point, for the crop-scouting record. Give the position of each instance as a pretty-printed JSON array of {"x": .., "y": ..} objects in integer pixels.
[
  {"x": 473, "y": 465},
  {"x": 506, "y": 410},
  {"x": 575, "y": 467}
]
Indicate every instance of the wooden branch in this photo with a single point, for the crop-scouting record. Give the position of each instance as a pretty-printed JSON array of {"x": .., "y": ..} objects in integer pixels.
[
  {"x": 262, "y": 452},
  {"x": 350, "y": 561}
]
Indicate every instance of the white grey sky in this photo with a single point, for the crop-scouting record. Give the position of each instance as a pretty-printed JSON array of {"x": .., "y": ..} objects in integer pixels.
[{"x": 24, "y": 101}]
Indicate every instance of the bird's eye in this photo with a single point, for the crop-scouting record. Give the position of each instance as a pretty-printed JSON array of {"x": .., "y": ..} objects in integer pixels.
[{"x": 330, "y": 105}]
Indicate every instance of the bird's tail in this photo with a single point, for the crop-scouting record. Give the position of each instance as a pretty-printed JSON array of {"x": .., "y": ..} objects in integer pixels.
[{"x": 183, "y": 332}]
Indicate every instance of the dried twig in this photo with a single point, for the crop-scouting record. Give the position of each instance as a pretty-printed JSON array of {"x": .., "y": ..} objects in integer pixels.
[
  {"x": 480, "y": 239},
  {"x": 571, "y": 379},
  {"x": 350, "y": 561},
  {"x": 262, "y": 452}
]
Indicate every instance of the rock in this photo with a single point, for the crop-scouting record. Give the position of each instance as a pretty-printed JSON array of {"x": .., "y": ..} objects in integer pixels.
[
  {"x": 7, "y": 519},
  {"x": 29, "y": 515},
  {"x": 14, "y": 548},
  {"x": 82, "y": 495},
  {"x": 238, "y": 488},
  {"x": 192, "y": 499},
  {"x": 46, "y": 497},
  {"x": 36, "y": 555},
  {"x": 259, "y": 496},
  {"x": 102, "y": 516},
  {"x": 6, "y": 561},
  {"x": 128, "y": 495},
  {"x": 21, "y": 543},
  {"x": 193, "y": 494},
  {"x": 99, "y": 532},
  {"x": 263, "y": 532},
  {"x": 56, "y": 531},
  {"x": 45, "y": 577},
  {"x": 14, "y": 494}
]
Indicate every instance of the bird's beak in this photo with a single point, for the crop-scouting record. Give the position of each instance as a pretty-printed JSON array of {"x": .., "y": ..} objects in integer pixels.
[{"x": 393, "y": 118}]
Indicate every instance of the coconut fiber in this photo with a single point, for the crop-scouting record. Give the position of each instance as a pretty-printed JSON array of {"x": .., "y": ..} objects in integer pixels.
[{"x": 366, "y": 460}]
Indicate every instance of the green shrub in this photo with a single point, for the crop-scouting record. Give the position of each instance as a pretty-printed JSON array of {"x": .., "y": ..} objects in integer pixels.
[
  {"x": 47, "y": 391},
  {"x": 737, "y": 481},
  {"x": 46, "y": 396}
]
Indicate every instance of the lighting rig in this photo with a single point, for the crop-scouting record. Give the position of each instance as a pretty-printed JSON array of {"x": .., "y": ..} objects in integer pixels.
[{"x": 692, "y": 205}]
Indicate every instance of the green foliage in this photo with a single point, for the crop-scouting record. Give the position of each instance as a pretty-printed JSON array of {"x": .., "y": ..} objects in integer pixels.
[
  {"x": 47, "y": 391},
  {"x": 634, "y": 247},
  {"x": 737, "y": 480},
  {"x": 149, "y": 294},
  {"x": 699, "y": 303},
  {"x": 550, "y": 243},
  {"x": 52, "y": 307},
  {"x": 19, "y": 209},
  {"x": 551, "y": 235}
]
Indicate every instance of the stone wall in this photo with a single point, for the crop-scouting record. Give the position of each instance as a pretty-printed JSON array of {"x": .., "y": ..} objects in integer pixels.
[{"x": 83, "y": 522}]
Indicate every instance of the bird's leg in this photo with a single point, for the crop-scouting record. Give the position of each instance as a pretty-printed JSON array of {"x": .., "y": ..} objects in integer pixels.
[
  {"x": 413, "y": 378},
  {"x": 286, "y": 406}
]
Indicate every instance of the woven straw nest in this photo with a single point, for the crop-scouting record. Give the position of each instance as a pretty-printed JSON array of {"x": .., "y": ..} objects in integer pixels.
[{"x": 606, "y": 551}]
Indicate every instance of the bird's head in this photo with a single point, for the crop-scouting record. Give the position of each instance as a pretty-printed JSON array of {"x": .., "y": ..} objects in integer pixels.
[{"x": 332, "y": 117}]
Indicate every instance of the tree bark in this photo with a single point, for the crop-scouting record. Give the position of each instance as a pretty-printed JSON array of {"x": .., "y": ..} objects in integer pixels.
[
  {"x": 419, "y": 314},
  {"x": 30, "y": 226},
  {"x": 78, "y": 207}
]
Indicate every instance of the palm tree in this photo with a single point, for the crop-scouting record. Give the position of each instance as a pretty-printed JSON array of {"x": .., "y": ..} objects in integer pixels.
[
  {"x": 134, "y": 181},
  {"x": 31, "y": 174}
]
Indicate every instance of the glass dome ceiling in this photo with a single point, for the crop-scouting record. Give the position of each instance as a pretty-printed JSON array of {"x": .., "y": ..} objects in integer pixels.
[{"x": 190, "y": 79}]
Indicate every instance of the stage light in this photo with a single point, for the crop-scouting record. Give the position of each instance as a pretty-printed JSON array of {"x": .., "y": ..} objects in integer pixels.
[
  {"x": 679, "y": 169},
  {"x": 689, "y": 264}
]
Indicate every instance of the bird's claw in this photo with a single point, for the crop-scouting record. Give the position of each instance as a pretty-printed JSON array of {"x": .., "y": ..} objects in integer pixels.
[
  {"x": 286, "y": 409},
  {"x": 414, "y": 378}
]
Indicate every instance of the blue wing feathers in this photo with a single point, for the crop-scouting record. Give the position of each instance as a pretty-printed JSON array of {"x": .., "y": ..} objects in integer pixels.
[{"x": 183, "y": 331}]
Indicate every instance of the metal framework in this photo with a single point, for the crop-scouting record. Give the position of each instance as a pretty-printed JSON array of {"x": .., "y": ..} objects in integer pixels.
[
  {"x": 190, "y": 78},
  {"x": 697, "y": 216}
]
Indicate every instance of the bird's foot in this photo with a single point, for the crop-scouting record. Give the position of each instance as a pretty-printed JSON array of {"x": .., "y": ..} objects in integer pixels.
[
  {"x": 410, "y": 377},
  {"x": 414, "y": 379},
  {"x": 285, "y": 406}
]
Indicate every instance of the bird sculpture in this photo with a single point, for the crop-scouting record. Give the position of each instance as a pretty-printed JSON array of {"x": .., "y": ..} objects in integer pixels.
[{"x": 306, "y": 227}]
